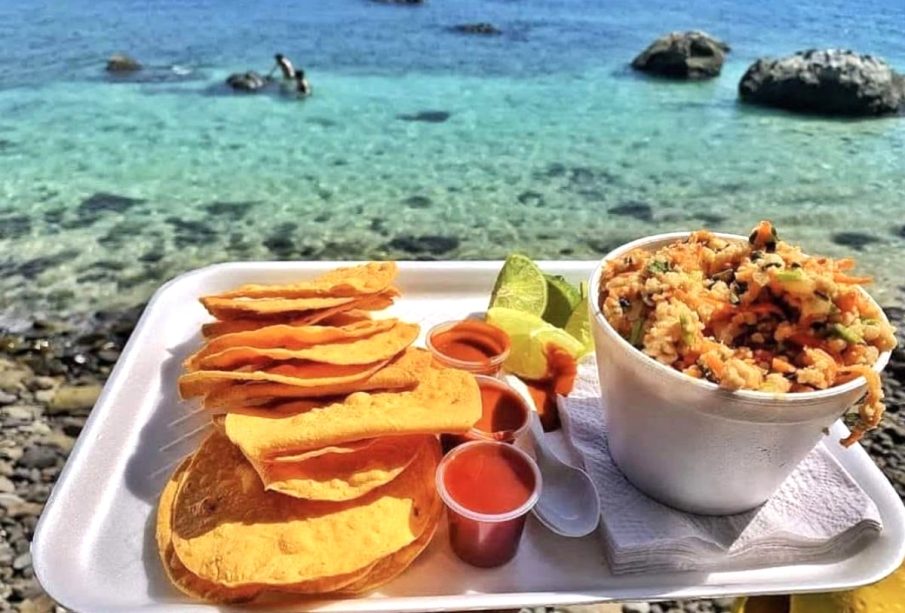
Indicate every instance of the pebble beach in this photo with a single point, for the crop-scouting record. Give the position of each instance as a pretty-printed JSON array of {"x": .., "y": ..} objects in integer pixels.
[{"x": 420, "y": 142}]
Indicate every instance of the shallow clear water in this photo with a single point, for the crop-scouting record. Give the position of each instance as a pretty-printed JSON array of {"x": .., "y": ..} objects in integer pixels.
[{"x": 551, "y": 145}]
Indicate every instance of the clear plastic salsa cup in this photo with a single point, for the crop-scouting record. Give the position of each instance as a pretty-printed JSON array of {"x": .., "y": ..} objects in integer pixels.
[
  {"x": 505, "y": 415},
  {"x": 488, "y": 488},
  {"x": 470, "y": 344}
]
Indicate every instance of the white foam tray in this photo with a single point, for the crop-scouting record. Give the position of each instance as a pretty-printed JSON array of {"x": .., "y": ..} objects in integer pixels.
[{"x": 94, "y": 545}]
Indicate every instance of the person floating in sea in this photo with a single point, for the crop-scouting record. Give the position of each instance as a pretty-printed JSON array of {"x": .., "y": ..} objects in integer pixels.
[
  {"x": 301, "y": 84},
  {"x": 285, "y": 66}
]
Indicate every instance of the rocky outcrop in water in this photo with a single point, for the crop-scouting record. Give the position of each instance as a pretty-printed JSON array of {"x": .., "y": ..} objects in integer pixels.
[
  {"x": 482, "y": 28},
  {"x": 830, "y": 82},
  {"x": 245, "y": 81},
  {"x": 683, "y": 55},
  {"x": 122, "y": 64}
]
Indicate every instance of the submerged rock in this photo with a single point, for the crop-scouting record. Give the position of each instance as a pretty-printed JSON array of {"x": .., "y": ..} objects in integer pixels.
[
  {"x": 426, "y": 116},
  {"x": 855, "y": 240},
  {"x": 245, "y": 81},
  {"x": 122, "y": 63},
  {"x": 683, "y": 55},
  {"x": 482, "y": 28},
  {"x": 427, "y": 243},
  {"x": 638, "y": 210},
  {"x": 830, "y": 82}
]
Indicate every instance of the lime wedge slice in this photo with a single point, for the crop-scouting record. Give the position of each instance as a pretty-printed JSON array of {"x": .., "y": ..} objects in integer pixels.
[
  {"x": 529, "y": 335},
  {"x": 562, "y": 298},
  {"x": 520, "y": 286},
  {"x": 579, "y": 326}
]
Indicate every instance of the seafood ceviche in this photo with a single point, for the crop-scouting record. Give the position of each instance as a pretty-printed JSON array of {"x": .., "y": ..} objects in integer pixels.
[{"x": 756, "y": 315}]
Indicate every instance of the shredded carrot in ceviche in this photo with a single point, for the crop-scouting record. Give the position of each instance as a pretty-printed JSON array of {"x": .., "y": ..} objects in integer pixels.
[{"x": 757, "y": 315}]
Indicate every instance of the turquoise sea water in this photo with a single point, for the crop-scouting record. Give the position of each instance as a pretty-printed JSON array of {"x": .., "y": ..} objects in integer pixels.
[{"x": 551, "y": 145}]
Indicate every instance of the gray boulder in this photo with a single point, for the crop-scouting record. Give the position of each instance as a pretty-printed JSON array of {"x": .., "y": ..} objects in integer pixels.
[
  {"x": 122, "y": 63},
  {"x": 829, "y": 82},
  {"x": 245, "y": 81},
  {"x": 683, "y": 55}
]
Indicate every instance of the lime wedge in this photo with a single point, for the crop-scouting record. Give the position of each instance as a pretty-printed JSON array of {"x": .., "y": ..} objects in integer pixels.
[
  {"x": 562, "y": 298},
  {"x": 579, "y": 326},
  {"x": 520, "y": 285},
  {"x": 530, "y": 335}
]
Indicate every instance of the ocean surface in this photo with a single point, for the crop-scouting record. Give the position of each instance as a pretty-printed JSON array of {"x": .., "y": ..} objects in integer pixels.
[{"x": 418, "y": 142}]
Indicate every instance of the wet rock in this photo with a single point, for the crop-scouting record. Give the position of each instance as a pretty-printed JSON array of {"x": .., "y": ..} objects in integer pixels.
[
  {"x": 249, "y": 81},
  {"x": 121, "y": 63},
  {"x": 855, "y": 240},
  {"x": 683, "y": 55},
  {"x": 481, "y": 28},
  {"x": 426, "y": 116},
  {"x": 74, "y": 399},
  {"x": 426, "y": 243},
  {"x": 830, "y": 81},
  {"x": 637, "y": 210},
  {"x": 418, "y": 202}
]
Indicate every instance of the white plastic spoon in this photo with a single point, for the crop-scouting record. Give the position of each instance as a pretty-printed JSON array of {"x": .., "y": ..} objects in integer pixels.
[{"x": 568, "y": 503}]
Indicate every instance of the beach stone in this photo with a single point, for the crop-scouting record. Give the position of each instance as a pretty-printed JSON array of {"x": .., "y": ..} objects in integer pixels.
[
  {"x": 74, "y": 399},
  {"x": 18, "y": 414},
  {"x": 482, "y": 28},
  {"x": 636, "y": 607},
  {"x": 41, "y": 603},
  {"x": 22, "y": 561},
  {"x": 245, "y": 81},
  {"x": 829, "y": 81},
  {"x": 7, "y": 398},
  {"x": 122, "y": 63},
  {"x": 6, "y": 486},
  {"x": 15, "y": 507},
  {"x": 683, "y": 55},
  {"x": 39, "y": 456}
]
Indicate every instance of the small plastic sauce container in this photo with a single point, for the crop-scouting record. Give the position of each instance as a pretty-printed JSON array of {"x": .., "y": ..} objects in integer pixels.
[
  {"x": 505, "y": 415},
  {"x": 470, "y": 344},
  {"x": 488, "y": 489}
]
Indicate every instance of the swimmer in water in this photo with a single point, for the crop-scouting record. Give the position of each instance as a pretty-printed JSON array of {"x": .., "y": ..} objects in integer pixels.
[
  {"x": 301, "y": 84},
  {"x": 285, "y": 66}
]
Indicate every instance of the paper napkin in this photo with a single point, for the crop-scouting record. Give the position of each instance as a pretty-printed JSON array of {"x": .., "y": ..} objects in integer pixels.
[{"x": 818, "y": 509}]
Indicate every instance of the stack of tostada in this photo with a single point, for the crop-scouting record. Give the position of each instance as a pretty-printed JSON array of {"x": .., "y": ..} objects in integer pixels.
[{"x": 319, "y": 474}]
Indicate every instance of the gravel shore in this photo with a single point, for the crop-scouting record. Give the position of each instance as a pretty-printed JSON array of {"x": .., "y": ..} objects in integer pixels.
[{"x": 52, "y": 372}]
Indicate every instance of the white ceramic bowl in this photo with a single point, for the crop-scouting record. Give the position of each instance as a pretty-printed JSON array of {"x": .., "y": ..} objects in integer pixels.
[{"x": 692, "y": 445}]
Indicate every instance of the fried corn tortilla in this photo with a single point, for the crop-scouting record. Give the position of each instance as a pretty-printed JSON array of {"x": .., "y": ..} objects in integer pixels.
[
  {"x": 360, "y": 280},
  {"x": 403, "y": 372},
  {"x": 290, "y": 337},
  {"x": 237, "y": 308},
  {"x": 187, "y": 582},
  {"x": 304, "y": 374},
  {"x": 359, "y": 305},
  {"x": 390, "y": 567},
  {"x": 341, "y": 473},
  {"x": 227, "y": 529},
  {"x": 446, "y": 400},
  {"x": 368, "y": 350}
]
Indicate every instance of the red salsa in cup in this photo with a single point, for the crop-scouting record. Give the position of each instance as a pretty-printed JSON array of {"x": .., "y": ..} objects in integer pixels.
[
  {"x": 470, "y": 344},
  {"x": 488, "y": 488},
  {"x": 504, "y": 415}
]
